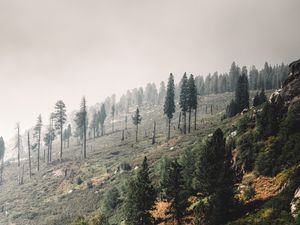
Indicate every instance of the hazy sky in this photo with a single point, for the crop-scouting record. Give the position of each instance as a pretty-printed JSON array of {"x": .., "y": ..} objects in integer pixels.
[{"x": 63, "y": 49}]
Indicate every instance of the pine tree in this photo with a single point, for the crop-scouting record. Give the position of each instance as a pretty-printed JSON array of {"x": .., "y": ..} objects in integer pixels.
[
  {"x": 136, "y": 119},
  {"x": 162, "y": 93},
  {"x": 140, "y": 198},
  {"x": 262, "y": 97},
  {"x": 192, "y": 100},
  {"x": 2, "y": 153},
  {"x": 242, "y": 93},
  {"x": 102, "y": 117},
  {"x": 175, "y": 193},
  {"x": 169, "y": 106},
  {"x": 94, "y": 124},
  {"x": 213, "y": 178},
  {"x": 38, "y": 138},
  {"x": 82, "y": 121},
  {"x": 60, "y": 119},
  {"x": 113, "y": 110},
  {"x": 256, "y": 100},
  {"x": 184, "y": 99}
]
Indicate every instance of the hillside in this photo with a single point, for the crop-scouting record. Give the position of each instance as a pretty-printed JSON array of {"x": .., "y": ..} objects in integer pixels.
[
  {"x": 61, "y": 191},
  {"x": 51, "y": 198}
]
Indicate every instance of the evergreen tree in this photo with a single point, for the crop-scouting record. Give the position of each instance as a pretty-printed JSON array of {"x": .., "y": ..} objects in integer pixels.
[
  {"x": 102, "y": 117},
  {"x": 69, "y": 134},
  {"x": 184, "y": 99},
  {"x": 242, "y": 93},
  {"x": 2, "y": 153},
  {"x": 136, "y": 119},
  {"x": 37, "y": 135},
  {"x": 256, "y": 100},
  {"x": 169, "y": 106},
  {"x": 231, "y": 109},
  {"x": 140, "y": 198},
  {"x": 94, "y": 124},
  {"x": 60, "y": 119},
  {"x": 192, "y": 100},
  {"x": 82, "y": 121},
  {"x": 162, "y": 93},
  {"x": 214, "y": 179},
  {"x": 175, "y": 193},
  {"x": 262, "y": 97},
  {"x": 113, "y": 111}
]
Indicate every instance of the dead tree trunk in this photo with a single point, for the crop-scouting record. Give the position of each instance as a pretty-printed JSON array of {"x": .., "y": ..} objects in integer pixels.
[
  {"x": 154, "y": 133},
  {"x": 29, "y": 155},
  {"x": 211, "y": 109},
  {"x": 21, "y": 175},
  {"x": 136, "y": 133}
]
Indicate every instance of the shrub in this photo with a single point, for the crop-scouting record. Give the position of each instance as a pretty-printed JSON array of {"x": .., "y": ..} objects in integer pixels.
[
  {"x": 265, "y": 163},
  {"x": 125, "y": 166},
  {"x": 111, "y": 199},
  {"x": 80, "y": 220},
  {"x": 79, "y": 181},
  {"x": 99, "y": 219},
  {"x": 246, "y": 152},
  {"x": 249, "y": 193}
]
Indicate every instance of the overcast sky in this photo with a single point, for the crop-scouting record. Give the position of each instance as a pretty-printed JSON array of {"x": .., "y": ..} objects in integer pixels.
[{"x": 63, "y": 49}]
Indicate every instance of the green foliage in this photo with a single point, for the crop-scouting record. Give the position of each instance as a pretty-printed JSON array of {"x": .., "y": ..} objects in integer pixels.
[
  {"x": 242, "y": 93},
  {"x": 98, "y": 219},
  {"x": 136, "y": 118},
  {"x": 175, "y": 192},
  {"x": 269, "y": 119},
  {"x": 140, "y": 198},
  {"x": 231, "y": 109},
  {"x": 60, "y": 114},
  {"x": 111, "y": 199},
  {"x": 80, "y": 220},
  {"x": 188, "y": 160},
  {"x": 214, "y": 179},
  {"x": 243, "y": 124},
  {"x": 265, "y": 163},
  {"x": 184, "y": 94},
  {"x": 163, "y": 171},
  {"x": 246, "y": 152},
  {"x": 169, "y": 106}
]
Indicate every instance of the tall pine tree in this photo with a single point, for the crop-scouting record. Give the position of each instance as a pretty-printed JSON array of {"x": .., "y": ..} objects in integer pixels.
[
  {"x": 184, "y": 99},
  {"x": 136, "y": 120},
  {"x": 140, "y": 198},
  {"x": 192, "y": 100},
  {"x": 60, "y": 119},
  {"x": 169, "y": 106}
]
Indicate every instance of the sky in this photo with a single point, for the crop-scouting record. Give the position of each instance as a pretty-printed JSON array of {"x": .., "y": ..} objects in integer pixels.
[{"x": 64, "y": 49}]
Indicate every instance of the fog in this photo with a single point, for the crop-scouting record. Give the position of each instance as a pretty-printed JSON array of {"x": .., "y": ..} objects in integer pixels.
[{"x": 63, "y": 49}]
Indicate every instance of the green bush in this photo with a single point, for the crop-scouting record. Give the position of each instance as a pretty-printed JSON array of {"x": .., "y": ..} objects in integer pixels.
[
  {"x": 266, "y": 161},
  {"x": 111, "y": 199},
  {"x": 80, "y": 220},
  {"x": 99, "y": 219},
  {"x": 246, "y": 152}
]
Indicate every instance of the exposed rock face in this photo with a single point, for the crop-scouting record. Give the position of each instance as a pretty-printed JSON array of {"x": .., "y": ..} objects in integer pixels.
[
  {"x": 295, "y": 203},
  {"x": 290, "y": 92}
]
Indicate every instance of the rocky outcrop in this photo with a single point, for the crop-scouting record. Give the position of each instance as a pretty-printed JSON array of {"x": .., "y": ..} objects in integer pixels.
[
  {"x": 290, "y": 91},
  {"x": 295, "y": 203}
]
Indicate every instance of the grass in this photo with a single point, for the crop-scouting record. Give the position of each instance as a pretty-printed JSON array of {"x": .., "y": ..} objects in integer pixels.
[{"x": 49, "y": 198}]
